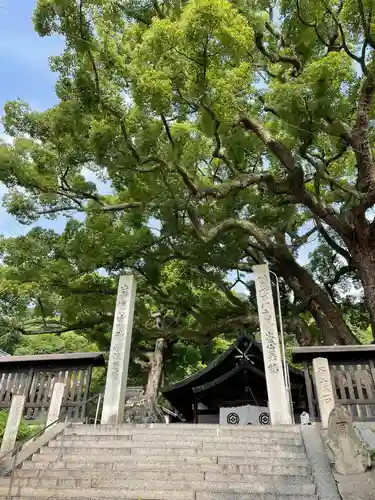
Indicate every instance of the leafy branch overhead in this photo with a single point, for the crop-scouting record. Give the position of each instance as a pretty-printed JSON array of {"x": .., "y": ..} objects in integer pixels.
[{"x": 241, "y": 135}]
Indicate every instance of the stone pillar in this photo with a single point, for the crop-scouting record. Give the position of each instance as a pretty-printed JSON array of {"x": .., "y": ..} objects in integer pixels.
[
  {"x": 277, "y": 393},
  {"x": 13, "y": 423},
  {"x": 55, "y": 404},
  {"x": 323, "y": 389},
  {"x": 118, "y": 364}
]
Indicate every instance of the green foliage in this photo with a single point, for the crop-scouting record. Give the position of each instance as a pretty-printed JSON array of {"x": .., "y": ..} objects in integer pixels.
[
  {"x": 192, "y": 140},
  {"x": 51, "y": 344},
  {"x": 187, "y": 358},
  {"x": 25, "y": 431}
]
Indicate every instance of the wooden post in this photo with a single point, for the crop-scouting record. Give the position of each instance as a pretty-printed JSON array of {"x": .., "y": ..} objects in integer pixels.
[
  {"x": 87, "y": 392},
  {"x": 13, "y": 423},
  {"x": 309, "y": 391}
]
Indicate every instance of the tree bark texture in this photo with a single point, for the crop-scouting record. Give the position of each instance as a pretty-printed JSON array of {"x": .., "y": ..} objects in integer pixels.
[
  {"x": 364, "y": 261},
  {"x": 144, "y": 409},
  {"x": 155, "y": 370},
  {"x": 326, "y": 314}
]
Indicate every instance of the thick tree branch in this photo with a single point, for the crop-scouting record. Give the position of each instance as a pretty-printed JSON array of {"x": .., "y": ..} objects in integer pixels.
[
  {"x": 320, "y": 164},
  {"x": 363, "y": 149},
  {"x": 123, "y": 206},
  {"x": 366, "y": 24},
  {"x": 283, "y": 154},
  {"x": 332, "y": 243},
  {"x": 217, "y": 151},
  {"x": 236, "y": 301},
  {"x": 299, "y": 192},
  {"x": 208, "y": 236},
  {"x": 344, "y": 45},
  {"x": 54, "y": 210},
  {"x": 82, "y": 325},
  {"x": 276, "y": 58},
  {"x": 232, "y": 187},
  {"x": 167, "y": 129},
  {"x": 301, "y": 330},
  {"x": 330, "y": 44},
  {"x": 304, "y": 238},
  {"x": 339, "y": 274}
]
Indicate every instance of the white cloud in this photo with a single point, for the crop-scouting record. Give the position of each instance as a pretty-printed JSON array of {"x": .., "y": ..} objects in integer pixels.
[{"x": 5, "y": 137}]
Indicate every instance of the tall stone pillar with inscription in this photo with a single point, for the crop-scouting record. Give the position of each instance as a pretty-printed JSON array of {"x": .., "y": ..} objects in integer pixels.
[
  {"x": 323, "y": 388},
  {"x": 118, "y": 364},
  {"x": 277, "y": 392}
]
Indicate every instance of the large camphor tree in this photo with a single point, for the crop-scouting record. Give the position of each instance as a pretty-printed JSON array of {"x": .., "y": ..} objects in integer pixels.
[{"x": 229, "y": 133}]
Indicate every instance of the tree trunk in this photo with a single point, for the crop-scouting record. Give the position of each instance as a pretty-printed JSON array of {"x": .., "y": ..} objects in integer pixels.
[
  {"x": 144, "y": 410},
  {"x": 330, "y": 333},
  {"x": 364, "y": 261},
  {"x": 155, "y": 370},
  {"x": 326, "y": 314},
  {"x": 301, "y": 330}
]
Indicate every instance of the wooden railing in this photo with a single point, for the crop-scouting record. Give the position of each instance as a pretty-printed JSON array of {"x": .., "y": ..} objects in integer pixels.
[
  {"x": 35, "y": 376},
  {"x": 352, "y": 371}
]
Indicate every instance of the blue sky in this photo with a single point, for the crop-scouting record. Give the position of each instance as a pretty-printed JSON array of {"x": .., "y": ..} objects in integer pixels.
[
  {"x": 24, "y": 56},
  {"x": 26, "y": 74}
]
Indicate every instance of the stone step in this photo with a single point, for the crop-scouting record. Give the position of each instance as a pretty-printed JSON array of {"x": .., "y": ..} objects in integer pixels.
[
  {"x": 182, "y": 452},
  {"x": 166, "y": 475},
  {"x": 175, "y": 445},
  {"x": 248, "y": 459},
  {"x": 254, "y": 485},
  {"x": 141, "y": 495},
  {"x": 83, "y": 478},
  {"x": 185, "y": 438},
  {"x": 29, "y": 493},
  {"x": 227, "y": 430},
  {"x": 130, "y": 467},
  {"x": 233, "y": 495},
  {"x": 193, "y": 427}
]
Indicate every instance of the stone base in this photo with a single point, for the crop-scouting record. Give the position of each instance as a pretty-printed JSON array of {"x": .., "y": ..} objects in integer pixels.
[
  {"x": 357, "y": 487},
  {"x": 142, "y": 411}
]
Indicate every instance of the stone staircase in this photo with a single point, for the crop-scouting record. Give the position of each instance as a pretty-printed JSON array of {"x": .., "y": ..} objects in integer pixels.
[{"x": 167, "y": 462}]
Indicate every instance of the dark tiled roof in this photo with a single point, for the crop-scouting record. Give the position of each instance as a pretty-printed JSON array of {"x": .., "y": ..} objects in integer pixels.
[{"x": 94, "y": 358}]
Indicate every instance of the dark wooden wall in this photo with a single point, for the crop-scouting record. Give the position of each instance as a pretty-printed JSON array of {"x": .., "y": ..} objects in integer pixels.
[
  {"x": 353, "y": 384},
  {"x": 37, "y": 386},
  {"x": 35, "y": 376}
]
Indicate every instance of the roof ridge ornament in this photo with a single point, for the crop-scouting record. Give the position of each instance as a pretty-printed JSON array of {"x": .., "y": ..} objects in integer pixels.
[{"x": 243, "y": 355}]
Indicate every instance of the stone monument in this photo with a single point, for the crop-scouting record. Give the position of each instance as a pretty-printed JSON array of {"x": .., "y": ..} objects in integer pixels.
[
  {"x": 55, "y": 404},
  {"x": 323, "y": 387},
  {"x": 276, "y": 387},
  {"x": 349, "y": 452},
  {"x": 13, "y": 423},
  {"x": 118, "y": 364}
]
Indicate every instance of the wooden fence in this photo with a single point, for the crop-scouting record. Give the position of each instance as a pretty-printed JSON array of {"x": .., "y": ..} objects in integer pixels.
[
  {"x": 353, "y": 378},
  {"x": 35, "y": 376}
]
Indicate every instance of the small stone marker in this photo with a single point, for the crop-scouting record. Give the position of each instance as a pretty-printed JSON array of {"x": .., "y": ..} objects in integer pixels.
[
  {"x": 349, "y": 452},
  {"x": 55, "y": 405},
  {"x": 118, "y": 364},
  {"x": 323, "y": 387},
  {"x": 13, "y": 423}
]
